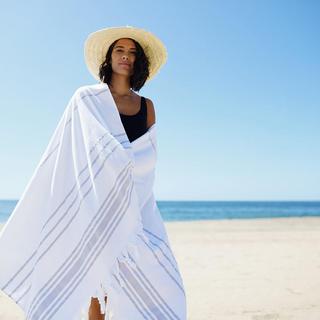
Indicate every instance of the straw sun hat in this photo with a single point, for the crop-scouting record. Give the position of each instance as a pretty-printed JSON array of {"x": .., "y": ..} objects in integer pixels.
[{"x": 98, "y": 42}]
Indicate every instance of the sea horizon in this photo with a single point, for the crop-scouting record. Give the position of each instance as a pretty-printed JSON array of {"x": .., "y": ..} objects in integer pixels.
[{"x": 187, "y": 210}]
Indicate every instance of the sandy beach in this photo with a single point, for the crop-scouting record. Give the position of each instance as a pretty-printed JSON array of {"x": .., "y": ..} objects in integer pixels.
[{"x": 261, "y": 269}]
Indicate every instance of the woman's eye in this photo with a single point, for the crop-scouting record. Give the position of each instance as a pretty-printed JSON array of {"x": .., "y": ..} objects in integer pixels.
[{"x": 120, "y": 50}]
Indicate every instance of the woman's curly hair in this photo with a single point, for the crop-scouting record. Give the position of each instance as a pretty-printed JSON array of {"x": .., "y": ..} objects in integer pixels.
[{"x": 140, "y": 67}]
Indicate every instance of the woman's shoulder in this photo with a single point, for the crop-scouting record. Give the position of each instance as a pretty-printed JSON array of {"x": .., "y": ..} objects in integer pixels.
[
  {"x": 90, "y": 88},
  {"x": 151, "y": 114},
  {"x": 85, "y": 92},
  {"x": 149, "y": 102}
]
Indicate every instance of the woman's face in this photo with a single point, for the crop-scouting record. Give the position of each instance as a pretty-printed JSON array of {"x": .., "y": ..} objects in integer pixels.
[{"x": 123, "y": 57}]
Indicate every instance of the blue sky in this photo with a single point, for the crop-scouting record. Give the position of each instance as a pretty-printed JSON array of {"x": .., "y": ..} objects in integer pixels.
[{"x": 237, "y": 103}]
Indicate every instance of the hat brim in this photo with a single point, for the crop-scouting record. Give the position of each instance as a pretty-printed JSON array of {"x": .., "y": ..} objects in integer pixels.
[{"x": 98, "y": 43}]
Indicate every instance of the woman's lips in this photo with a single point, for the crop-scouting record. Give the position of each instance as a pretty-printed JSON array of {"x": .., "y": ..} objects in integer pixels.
[{"x": 124, "y": 64}]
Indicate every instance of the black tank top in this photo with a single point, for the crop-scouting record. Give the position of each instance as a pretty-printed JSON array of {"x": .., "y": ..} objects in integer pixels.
[{"x": 136, "y": 125}]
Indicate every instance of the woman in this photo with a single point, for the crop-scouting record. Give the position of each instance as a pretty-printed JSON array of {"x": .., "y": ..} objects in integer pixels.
[
  {"x": 126, "y": 67},
  {"x": 96, "y": 245}
]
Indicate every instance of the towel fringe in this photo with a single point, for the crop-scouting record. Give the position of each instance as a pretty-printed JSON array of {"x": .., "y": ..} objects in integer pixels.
[
  {"x": 112, "y": 283},
  {"x": 84, "y": 310}
]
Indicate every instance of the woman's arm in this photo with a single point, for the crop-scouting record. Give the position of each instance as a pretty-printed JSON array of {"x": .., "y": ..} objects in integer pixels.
[{"x": 151, "y": 115}]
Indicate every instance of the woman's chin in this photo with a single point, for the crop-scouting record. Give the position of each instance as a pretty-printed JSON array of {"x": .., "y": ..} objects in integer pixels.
[{"x": 123, "y": 72}]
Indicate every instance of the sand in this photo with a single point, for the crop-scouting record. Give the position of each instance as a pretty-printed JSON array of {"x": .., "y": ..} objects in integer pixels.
[{"x": 261, "y": 269}]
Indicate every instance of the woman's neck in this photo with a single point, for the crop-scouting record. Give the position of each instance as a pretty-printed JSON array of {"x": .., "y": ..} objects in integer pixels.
[{"x": 120, "y": 87}]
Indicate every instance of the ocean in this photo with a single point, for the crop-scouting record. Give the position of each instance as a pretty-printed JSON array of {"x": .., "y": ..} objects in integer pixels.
[{"x": 214, "y": 210}]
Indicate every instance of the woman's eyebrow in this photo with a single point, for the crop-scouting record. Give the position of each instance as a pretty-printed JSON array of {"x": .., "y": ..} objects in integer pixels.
[{"x": 123, "y": 47}]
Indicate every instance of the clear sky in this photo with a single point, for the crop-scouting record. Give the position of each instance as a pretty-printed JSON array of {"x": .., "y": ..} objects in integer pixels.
[{"x": 237, "y": 103}]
